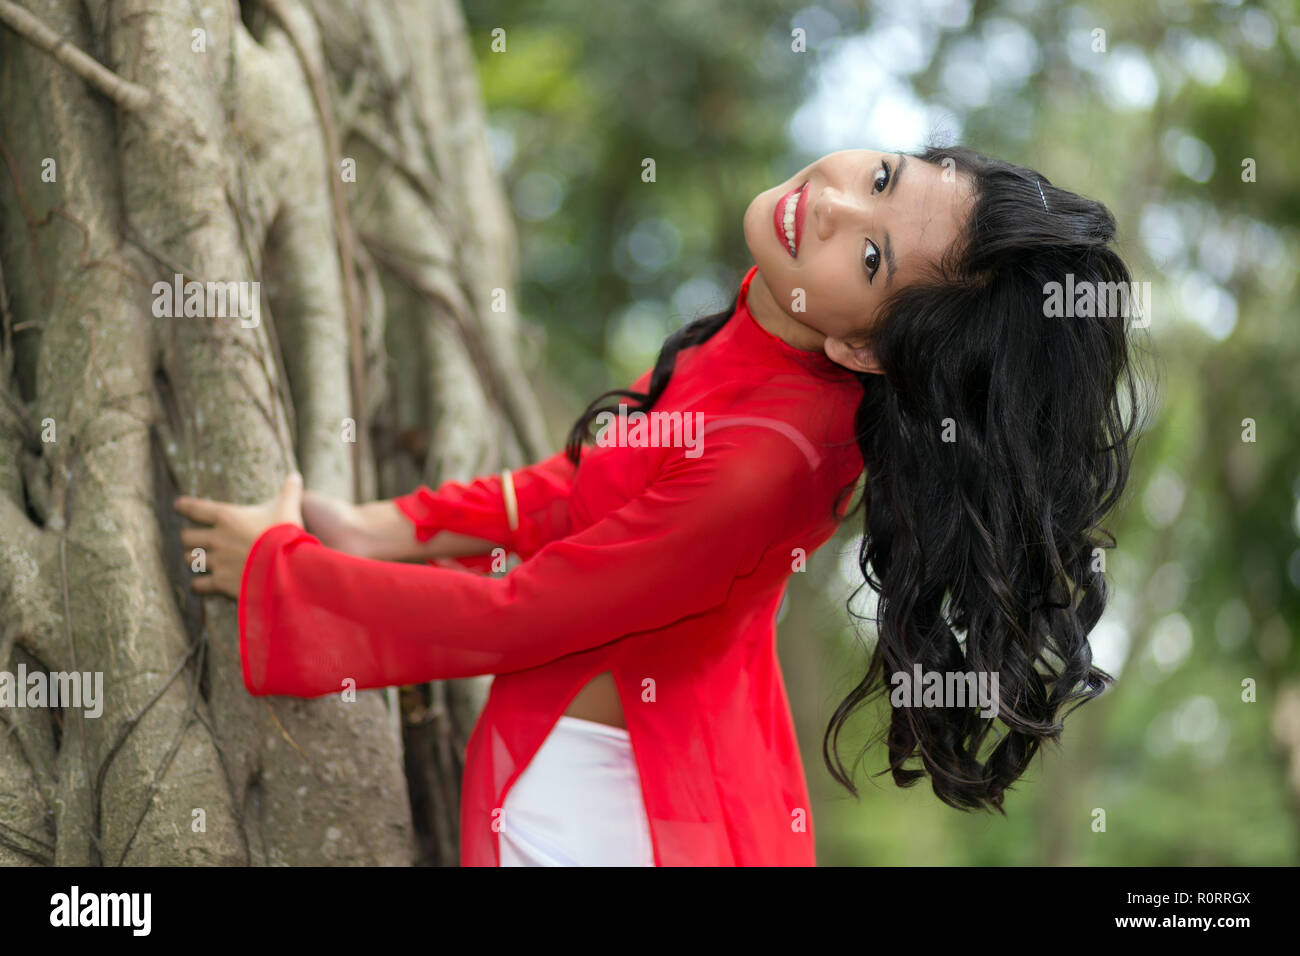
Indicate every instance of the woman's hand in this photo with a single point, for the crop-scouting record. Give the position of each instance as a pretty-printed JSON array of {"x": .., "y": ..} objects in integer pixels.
[{"x": 233, "y": 530}]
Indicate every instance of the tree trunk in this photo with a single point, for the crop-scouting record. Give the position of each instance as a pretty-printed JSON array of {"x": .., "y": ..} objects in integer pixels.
[{"x": 332, "y": 153}]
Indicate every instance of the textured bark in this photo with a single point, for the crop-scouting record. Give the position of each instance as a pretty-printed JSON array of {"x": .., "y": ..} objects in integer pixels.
[{"x": 225, "y": 165}]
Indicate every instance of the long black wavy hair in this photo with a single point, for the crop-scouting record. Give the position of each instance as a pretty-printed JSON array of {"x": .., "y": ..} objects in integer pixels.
[{"x": 995, "y": 442}]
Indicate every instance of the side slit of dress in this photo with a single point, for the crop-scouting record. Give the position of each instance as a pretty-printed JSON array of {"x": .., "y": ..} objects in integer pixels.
[{"x": 580, "y": 800}]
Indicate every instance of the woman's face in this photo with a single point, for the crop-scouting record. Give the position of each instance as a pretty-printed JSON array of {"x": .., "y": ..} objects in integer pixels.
[{"x": 849, "y": 230}]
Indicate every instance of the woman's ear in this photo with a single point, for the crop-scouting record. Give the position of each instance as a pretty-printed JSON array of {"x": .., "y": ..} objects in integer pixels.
[{"x": 857, "y": 359}]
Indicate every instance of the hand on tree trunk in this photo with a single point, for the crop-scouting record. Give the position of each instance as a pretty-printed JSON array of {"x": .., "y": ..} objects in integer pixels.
[{"x": 233, "y": 529}]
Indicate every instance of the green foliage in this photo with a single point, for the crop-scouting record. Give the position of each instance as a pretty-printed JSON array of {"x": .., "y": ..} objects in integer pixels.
[{"x": 1206, "y": 576}]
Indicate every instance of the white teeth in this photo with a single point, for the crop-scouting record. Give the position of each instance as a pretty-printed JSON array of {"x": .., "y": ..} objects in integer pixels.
[{"x": 790, "y": 205}]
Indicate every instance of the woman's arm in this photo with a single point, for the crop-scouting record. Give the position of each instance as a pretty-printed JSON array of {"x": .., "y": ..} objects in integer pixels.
[
  {"x": 382, "y": 531},
  {"x": 457, "y": 520},
  {"x": 521, "y": 515},
  {"x": 312, "y": 618}
]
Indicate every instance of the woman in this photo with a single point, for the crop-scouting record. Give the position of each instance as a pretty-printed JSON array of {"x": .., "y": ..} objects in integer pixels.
[{"x": 894, "y": 316}]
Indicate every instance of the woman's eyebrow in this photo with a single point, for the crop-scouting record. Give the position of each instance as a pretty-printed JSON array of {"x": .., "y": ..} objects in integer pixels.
[
  {"x": 898, "y": 171},
  {"x": 890, "y": 264}
]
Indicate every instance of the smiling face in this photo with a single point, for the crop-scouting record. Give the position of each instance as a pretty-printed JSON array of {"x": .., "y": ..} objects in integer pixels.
[{"x": 849, "y": 230}]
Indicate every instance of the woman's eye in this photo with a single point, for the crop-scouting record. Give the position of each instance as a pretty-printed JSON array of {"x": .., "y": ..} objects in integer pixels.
[
  {"x": 871, "y": 260},
  {"x": 882, "y": 178}
]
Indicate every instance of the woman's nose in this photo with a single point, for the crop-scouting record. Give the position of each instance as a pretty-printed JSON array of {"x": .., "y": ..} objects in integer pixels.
[{"x": 833, "y": 210}]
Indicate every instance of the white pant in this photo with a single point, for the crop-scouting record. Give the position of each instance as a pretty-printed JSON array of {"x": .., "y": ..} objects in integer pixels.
[{"x": 578, "y": 802}]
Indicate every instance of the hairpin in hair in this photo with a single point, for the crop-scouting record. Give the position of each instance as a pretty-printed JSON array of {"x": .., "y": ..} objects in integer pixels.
[{"x": 1041, "y": 196}]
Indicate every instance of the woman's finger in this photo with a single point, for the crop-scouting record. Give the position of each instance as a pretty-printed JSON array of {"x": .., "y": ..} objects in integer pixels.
[
  {"x": 203, "y": 584},
  {"x": 199, "y": 509},
  {"x": 215, "y": 584},
  {"x": 197, "y": 537},
  {"x": 288, "y": 503}
]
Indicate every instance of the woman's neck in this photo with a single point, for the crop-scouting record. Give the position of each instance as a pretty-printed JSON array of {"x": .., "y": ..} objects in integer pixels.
[{"x": 768, "y": 314}]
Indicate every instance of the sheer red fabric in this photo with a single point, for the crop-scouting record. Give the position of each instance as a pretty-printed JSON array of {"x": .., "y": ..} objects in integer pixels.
[{"x": 662, "y": 559}]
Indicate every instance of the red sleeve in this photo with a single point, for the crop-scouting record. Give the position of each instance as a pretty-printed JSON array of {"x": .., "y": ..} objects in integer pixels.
[
  {"x": 478, "y": 509},
  {"x": 311, "y": 617}
]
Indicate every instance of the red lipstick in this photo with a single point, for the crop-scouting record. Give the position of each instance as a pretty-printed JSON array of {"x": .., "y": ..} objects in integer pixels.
[{"x": 778, "y": 218}]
